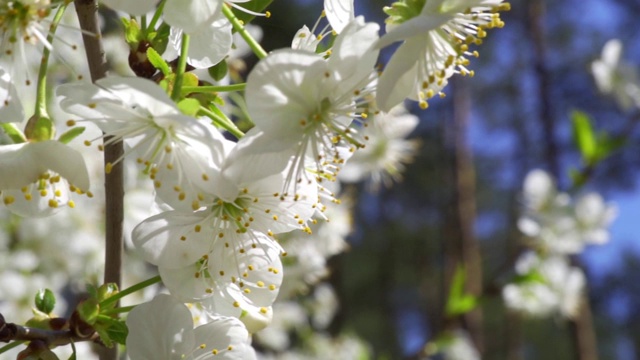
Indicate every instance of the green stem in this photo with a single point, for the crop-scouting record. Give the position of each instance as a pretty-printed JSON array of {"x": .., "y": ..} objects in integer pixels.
[
  {"x": 239, "y": 27},
  {"x": 129, "y": 290},
  {"x": 41, "y": 94},
  {"x": 11, "y": 346},
  {"x": 13, "y": 132},
  {"x": 182, "y": 65},
  {"x": 219, "y": 119},
  {"x": 213, "y": 88},
  {"x": 156, "y": 16}
]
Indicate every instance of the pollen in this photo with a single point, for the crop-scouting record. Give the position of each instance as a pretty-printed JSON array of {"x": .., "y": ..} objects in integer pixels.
[
  {"x": 8, "y": 200},
  {"x": 71, "y": 122}
]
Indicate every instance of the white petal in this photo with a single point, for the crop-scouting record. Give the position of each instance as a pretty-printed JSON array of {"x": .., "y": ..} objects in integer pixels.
[
  {"x": 160, "y": 329},
  {"x": 22, "y": 164},
  {"x": 210, "y": 44},
  {"x": 352, "y": 55},
  {"x": 159, "y": 238},
  {"x": 228, "y": 336},
  {"x": 339, "y": 13},
  {"x": 190, "y": 15},
  {"x": 284, "y": 88},
  {"x": 11, "y": 109},
  {"x": 417, "y": 26},
  {"x": 399, "y": 76}
]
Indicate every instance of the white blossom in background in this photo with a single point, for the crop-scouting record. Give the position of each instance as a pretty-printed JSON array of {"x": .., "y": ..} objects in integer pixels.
[
  {"x": 615, "y": 77},
  {"x": 554, "y": 221},
  {"x": 172, "y": 335},
  {"x": 386, "y": 150},
  {"x": 545, "y": 286},
  {"x": 453, "y": 345},
  {"x": 432, "y": 50}
]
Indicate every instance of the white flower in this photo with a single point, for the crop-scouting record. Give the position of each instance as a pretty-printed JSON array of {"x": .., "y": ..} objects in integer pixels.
[
  {"x": 615, "y": 77},
  {"x": 386, "y": 149},
  {"x": 163, "y": 329},
  {"x": 177, "y": 151},
  {"x": 208, "y": 45},
  {"x": 190, "y": 15},
  {"x": 302, "y": 104},
  {"x": 436, "y": 42},
  {"x": 557, "y": 223},
  {"x": 34, "y": 176},
  {"x": 545, "y": 286},
  {"x": 339, "y": 13},
  {"x": 239, "y": 279}
]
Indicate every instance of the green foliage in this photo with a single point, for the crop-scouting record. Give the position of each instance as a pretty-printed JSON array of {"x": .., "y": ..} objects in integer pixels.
[
  {"x": 13, "y": 132},
  {"x": 45, "y": 301},
  {"x": 594, "y": 147},
  {"x": 71, "y": 134},
  {"x": 189, "y": 106},
  {"x": 132, "y": 32},
  {"x": 158, "y": 62},
  {"x": 89, "y": 310},
  {"x": 584, "y": 136},
  {"x": 219, "y": 70},
  {"x": 459, "y": 302},
  {"x": 404, "y": 10}
]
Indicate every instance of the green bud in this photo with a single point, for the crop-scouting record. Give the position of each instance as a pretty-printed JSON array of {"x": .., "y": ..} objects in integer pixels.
[{"x": 45, "y": 301}]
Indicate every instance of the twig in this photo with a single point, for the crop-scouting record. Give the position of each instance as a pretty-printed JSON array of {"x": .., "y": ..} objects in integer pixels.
[{"x": 87, "y": 11}]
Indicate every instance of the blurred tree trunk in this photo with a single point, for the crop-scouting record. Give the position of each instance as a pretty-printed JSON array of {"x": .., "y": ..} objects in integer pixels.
[
  {"x": 583, "y": 333},
  {"x": 462, "y": 245}
]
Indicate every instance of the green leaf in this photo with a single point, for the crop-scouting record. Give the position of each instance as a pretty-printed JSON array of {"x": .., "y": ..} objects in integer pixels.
[
  {"x": 458, "y": 302},
  {"x": 608, "y": 145},
  {"x": 189, "y": 106},
  {"x": 189, "y": 79},
  {"x": 584, "y": 136},
  {"x": 132, "y": 32},
  {"x": 89, "y": 310},
  {"x": 219, "y": 70},
  {"x": 118, "y": 332},
  {"x": 45, "y": 300},
  {"x": 13, "y": 132},
  {"x": 71, "y": 134},
  {"x": 158, "y": 62},
  {"x": 160, "y": 38}
]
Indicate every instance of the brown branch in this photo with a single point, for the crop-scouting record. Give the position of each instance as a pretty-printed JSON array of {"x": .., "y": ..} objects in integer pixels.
[
  {"x": 87, "y": 11},
  {"x": 14, "y": 332}
]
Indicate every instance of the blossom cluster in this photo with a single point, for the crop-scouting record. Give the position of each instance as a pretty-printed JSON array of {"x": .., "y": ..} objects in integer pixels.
[
  {"x": 223, "y": 208},
  {"x": 556, "y": 226}
]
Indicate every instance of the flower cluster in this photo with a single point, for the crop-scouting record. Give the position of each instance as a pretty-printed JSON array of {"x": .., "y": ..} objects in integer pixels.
[
  {"x": 556, "y": 226},
  {"x": 221, "y": 205}
]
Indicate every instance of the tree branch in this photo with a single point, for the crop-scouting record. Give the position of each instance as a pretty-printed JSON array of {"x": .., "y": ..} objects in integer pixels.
[{"x": 87, "y": 11}]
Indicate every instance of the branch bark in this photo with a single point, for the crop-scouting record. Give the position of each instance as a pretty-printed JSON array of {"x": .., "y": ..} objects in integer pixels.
[{"x": 87, "y": 11}]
